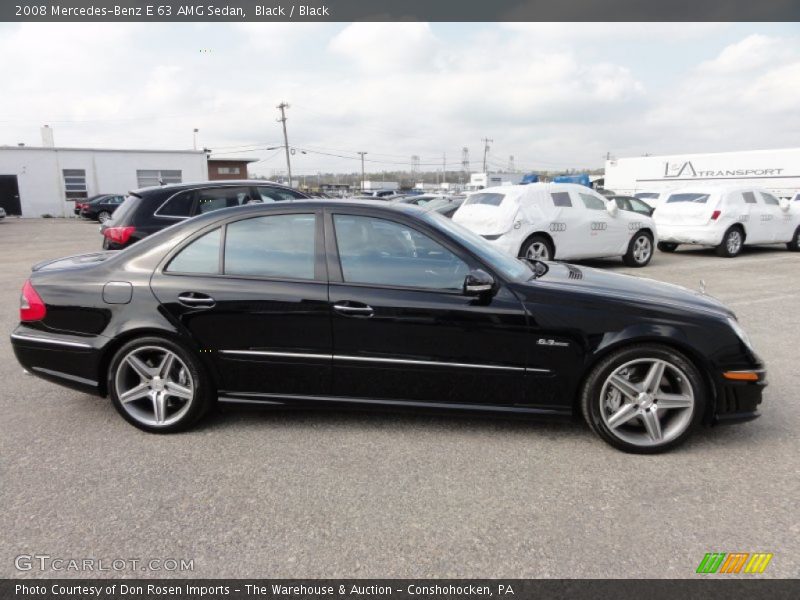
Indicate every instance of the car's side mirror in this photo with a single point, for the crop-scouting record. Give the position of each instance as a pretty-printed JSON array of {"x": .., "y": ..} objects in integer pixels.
[
  {"x": 612, "y": 208},
  {"x": 477, "y": 283},
  {"x": 785, "y": 204}
]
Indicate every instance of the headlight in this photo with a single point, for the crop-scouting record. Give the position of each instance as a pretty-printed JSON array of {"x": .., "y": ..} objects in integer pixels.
[{"x": 740, "y": 332}]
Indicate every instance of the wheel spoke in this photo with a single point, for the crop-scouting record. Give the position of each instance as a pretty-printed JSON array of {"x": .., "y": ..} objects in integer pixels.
[
  {"x": 652, "y": 382},
  {"x": 673, "y": 400},
  {"x": 628, "y": 388},
  {"x": 622, "y": 416},
  {"x": 140, "y": 367},
  {"x": 177, "y": 390},
  {"x": 160, "y": 407},
  {"x": 166, "y": 365},
  {"x": 135, "y": 393},
  {"x": 652, "y": 424}
]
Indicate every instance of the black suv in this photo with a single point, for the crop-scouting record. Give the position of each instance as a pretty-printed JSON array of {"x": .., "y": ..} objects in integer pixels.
[{"x": 152, "y": 209}]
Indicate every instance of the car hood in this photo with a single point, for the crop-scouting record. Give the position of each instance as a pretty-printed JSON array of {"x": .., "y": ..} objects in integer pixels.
[{"x": 627, "y": 287}]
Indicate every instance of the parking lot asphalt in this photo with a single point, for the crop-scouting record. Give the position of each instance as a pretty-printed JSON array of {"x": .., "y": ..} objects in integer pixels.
[{"x": 356, "y": 494}]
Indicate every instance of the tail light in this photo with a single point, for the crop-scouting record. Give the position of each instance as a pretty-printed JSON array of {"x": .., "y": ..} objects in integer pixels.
[
  {"x": 31, "y": 305},
  {"x": 715, "y": 215},
  {"x": 119, "y": 235}
]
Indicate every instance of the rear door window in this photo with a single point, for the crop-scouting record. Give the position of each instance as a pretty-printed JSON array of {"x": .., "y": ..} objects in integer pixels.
[
  {"x": 749, "y": 197},
  {"x": 177, "y": 207},
  {"x": 216, "y": 198},
  {"x": 593, "y": 202},
  {"x": 280, "y": 246},
  {"x": 200, "y": 256},
  {"x": 273, "y": 194},
  {"x": 769, "y": 199},
  {"x": 561, "y": 199}
]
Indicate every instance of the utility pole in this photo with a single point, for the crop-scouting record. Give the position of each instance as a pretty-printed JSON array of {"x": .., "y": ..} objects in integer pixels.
[
  {"x": 444, "y": 168},
  {"x": 362, "y": 169},
  {"x": 282, "y": 107},
  {"x": 486, "y": 142}
]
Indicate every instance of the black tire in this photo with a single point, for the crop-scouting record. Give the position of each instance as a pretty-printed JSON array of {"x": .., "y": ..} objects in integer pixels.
[
  {"x": 667, "y": 246},
  {"x": 640, "y": 249},
  {"x": 592, "y": 400},
  {"x": 203, "y": 391},
  {"x": 103, "y": 216},
  {"x": 794, "y": 245},
  {"x": 540, "y": 242},
  {"x": 728, "y": 248}
]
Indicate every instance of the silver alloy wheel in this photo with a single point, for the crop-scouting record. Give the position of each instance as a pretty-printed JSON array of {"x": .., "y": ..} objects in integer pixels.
[
  {"x": 538, "y": 251},
  {"x": 642, "y": 249},
  {"x": 734, "y": 241},
  {"x": 154, "y": 386},
  {"x": 647, "y": 402},
  {"x": 103, "y": 216}
]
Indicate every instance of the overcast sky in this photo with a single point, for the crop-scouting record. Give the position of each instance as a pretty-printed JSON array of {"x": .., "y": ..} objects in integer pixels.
[{"x": 552, "y": 95}]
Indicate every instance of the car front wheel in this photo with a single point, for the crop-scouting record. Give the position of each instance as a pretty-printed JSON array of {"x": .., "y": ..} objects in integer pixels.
[
  {"x": 640, "y": 250},
  {"x": 158, "y": 386},
  {"x": 644, "y": 399}
]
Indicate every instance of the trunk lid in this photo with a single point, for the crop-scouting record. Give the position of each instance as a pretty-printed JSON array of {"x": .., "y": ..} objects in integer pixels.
[{"x": 73, "y": 262}]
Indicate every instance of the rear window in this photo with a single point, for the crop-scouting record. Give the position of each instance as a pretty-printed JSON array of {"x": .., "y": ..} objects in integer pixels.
[
  {"x": 696, "y": 198},
  {"x": 490, "y": 199},
  {"x": 125, "y": 209},
  {"x": 561, "y": 198}
]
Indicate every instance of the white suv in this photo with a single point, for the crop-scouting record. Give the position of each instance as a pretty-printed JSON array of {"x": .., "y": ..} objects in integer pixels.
[
  {"x": 727, "y": 218},
  {"x": 548, "y": 221}
]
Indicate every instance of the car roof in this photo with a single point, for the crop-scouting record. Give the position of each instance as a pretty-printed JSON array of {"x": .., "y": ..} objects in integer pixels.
[
  {"x": 177, "y": 187},
  {"x": 550, "y": 186}
]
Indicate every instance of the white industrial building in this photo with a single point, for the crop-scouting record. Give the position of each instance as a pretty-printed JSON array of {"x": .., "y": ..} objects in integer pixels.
[
  {"x": 775, "y": 170},
  {"x": 35, "y": 181},
  {"x": 479, "y": 181}
]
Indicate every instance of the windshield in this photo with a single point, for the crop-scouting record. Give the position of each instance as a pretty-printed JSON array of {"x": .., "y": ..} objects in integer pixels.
[
  {"x": 508, "y": 266},
  {"x": 696, "y": 198},
  {"x": 484, "y": 198}
]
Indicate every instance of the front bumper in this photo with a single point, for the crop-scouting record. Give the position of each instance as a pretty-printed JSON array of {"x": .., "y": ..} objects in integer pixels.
[
  {"x": 702, "y": 235},
  {"x": 738, "y": 401}
]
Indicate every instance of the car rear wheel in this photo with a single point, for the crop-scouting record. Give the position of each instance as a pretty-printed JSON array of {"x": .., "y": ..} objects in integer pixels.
[
  {"x": 667, "y": 246},
  {"x": 794, "y": 245},
  {"x": 640, "y": 250},
  {"x": 537, "y": 247},
  {"x": 732, "y": 243},
  {"x": 644, "y": 399},
  {"x": 158, "y": 386},
  {"x": 103, "y": 216}
]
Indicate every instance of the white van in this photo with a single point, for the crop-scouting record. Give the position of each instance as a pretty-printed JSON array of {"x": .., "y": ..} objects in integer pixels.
[
  {"x": 547, "y": 221},
  {"x": 727, "y": 218}
]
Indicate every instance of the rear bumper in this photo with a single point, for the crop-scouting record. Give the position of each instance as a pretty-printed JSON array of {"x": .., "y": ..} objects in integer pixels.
[
  {"x": 68, "y": 360},
  {"x": 690, "y": 234}
]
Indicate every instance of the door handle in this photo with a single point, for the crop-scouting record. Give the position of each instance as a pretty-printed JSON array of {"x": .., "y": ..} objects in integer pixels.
[
  {"x": 349, "y": 309},
  {"x": 196, "y": 300}
]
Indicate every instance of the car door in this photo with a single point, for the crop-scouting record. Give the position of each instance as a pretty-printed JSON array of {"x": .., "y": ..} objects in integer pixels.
[
  {"x": 403, "y": 330},
  {"x": 252, "y": 294},
  {"x": 779, "y": 223},
  {"x": 605, "y": 234}
]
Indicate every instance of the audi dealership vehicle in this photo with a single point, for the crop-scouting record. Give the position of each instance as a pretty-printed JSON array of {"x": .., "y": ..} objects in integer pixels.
[
  {"x": 727, "y": 218},
  {"x": 561, "y": 221},
  {"x": 327, "y": 303},
  {"x": 151, "y": 209}
]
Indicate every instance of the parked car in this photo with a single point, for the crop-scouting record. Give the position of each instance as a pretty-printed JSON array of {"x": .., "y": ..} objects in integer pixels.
[
  {"x": 79, "y": 204},
  {"x": 378, "y": 194},
  {"x": 100, "y": 208},
  {"x": 445, "y": 206},
  {"x": 327, "y": 303},
  {"x": 2, "y": 213},
  {"x": 151, "y": 209},
  {"x": 563, "y": 221},
  {"x": 633, "y": 204},
  {"x": 727, "y": 218},
  {"x": 419, "y": 199}
]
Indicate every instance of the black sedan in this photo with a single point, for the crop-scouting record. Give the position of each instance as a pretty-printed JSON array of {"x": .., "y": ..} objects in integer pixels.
[
  {"x": 378, "y": 305},
  {"x": 102, "y": 207}
]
